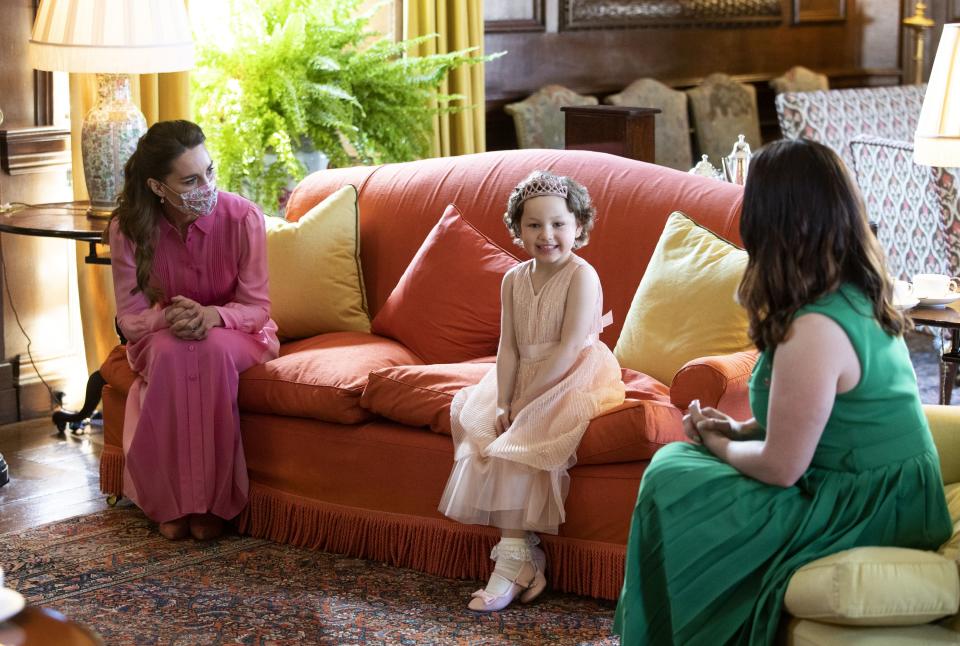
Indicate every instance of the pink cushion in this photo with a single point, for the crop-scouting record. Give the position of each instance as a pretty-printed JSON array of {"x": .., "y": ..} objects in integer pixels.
[
  {"x": 321, "y": 377},
  {"x": 446, "y": 307}
]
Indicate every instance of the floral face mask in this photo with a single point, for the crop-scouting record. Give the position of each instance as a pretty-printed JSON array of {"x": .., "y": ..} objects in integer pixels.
[{"x": 198, "y": 201}]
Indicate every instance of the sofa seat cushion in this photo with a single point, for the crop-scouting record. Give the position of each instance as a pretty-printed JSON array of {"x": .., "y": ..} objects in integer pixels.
[
  {"x": 421, "y": 395},
  {"x": 875, "y": 586},
  {"x": 320, "y": 377}
]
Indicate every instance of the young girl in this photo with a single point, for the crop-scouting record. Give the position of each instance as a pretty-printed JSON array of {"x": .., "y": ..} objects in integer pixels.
[{"x": 516, "y": 432}]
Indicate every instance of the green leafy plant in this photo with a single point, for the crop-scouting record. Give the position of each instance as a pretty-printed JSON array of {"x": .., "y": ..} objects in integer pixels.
[{"x": 311, "y": 73}]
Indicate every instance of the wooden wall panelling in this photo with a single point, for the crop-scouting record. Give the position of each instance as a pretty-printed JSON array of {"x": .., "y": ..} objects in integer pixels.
[
  {"x": 40, "y": 272},
  {"x": 819, "y": 11},
  {"x": 863, "y": 49}
]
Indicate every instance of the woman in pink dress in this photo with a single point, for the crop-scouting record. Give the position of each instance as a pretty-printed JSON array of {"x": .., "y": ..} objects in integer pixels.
[{"x": 190, "y": 277}]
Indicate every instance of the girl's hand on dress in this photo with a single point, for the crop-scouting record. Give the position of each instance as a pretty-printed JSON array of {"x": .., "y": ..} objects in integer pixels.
[
  {"x": 195, "y": 321},
  {"x": 502, "y": 421}
]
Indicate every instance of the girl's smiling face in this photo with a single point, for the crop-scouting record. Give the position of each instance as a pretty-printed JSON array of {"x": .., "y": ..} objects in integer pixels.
[{"x": 548, "y": 230}]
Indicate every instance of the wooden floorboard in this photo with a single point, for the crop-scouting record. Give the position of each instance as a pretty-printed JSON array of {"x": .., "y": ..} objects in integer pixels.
[{"x": 52, "y": 477}]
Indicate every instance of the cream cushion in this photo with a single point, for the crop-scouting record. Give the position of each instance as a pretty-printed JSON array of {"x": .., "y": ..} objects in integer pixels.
[
  {"x": 316, "y": 284},
  {"x": 875, "y": 586},
  {"x": 685, "y": 305}
]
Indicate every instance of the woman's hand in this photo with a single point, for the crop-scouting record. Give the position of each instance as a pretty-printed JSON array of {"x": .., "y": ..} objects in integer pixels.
[
  {"x": 189, "y": 320},
  {"x": 719, "y": 422},
  {"x": 502, "y": 421}
]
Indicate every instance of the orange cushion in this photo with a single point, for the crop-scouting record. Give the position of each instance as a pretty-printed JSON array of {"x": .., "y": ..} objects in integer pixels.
[
  {"x": 635, "y": 430},
  {"x": 320, "y": 377},
  {"x": 420, "y": 395},
  {"x": 446, "y": 307}
]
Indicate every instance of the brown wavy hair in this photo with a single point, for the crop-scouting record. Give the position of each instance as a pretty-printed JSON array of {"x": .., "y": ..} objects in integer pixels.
[
  {"x": 805, "y": 229},
  {"x": 138, "y": 208},
  {"x": 578, "y": 203}
]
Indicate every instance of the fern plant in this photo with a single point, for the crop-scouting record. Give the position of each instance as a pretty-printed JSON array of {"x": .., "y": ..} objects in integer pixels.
[{"x": 312, "y": 72}]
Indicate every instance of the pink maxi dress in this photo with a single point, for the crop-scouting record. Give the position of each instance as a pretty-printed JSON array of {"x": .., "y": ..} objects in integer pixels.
[
  {"x": 519, "y": 480},
  {"x": 181, "y": 430}
]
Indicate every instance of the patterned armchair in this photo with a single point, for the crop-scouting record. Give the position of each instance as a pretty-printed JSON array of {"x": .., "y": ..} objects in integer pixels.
[
  {"x": 538, "y": 119},
  {"x": 916, "y": 207},
  {"x": 672, "y": 126},
  {"x": 723, "y": 109},
  {"x": 800, "y": 79},
  {"x": 834, "y": 117}
]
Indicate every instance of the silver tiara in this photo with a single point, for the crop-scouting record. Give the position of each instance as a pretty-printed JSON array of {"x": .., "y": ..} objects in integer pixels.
[{"x": 541, "y": 184}]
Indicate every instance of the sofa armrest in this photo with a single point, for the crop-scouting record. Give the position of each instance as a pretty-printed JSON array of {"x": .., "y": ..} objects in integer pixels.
[
  {"x": 945, "y": 428},
  {"x": 719, "y": 381}
]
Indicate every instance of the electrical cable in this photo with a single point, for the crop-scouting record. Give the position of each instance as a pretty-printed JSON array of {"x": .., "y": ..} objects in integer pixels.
[{"x": 54, "y": 397}]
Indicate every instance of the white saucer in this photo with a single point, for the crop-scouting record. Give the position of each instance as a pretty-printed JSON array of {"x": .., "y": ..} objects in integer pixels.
[
  {"x": 941, "y": 301},
  {"x": 907, "y": 304},
  {"x": 11, "y": 602}
]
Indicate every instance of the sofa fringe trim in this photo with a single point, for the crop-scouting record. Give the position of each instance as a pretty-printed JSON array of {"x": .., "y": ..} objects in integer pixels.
[
  {"x": 435, "y": 546},
  {"x": 111, "y": 470}
]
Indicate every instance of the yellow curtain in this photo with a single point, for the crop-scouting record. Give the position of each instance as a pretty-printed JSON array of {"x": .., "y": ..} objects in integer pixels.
[
  {"x": 160, "y": 97},
  {"x": 459, "y": 24}
]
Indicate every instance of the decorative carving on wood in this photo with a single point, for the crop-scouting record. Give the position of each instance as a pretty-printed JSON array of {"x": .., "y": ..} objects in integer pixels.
[
  {"x": 595, "y": 14},
  {"x": 34, "y": 150}
]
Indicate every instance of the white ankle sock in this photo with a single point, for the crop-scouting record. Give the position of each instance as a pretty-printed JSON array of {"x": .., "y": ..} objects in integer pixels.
[{"x": 510, "y": 555}]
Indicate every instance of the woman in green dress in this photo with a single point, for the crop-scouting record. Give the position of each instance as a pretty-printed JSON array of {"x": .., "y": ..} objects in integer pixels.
[{"x": 838, "y": 454}]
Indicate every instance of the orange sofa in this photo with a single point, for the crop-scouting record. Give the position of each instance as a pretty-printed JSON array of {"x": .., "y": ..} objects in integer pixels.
[{"x": 369, "y": 486}]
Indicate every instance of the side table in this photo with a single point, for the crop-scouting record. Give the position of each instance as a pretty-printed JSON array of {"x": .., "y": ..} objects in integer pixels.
[
  {"x": 619, "y": 130},
  {"x": 948, "y": 320},
  {"x": 63, "y": 220},
  {"x": 35, "y": 626}
]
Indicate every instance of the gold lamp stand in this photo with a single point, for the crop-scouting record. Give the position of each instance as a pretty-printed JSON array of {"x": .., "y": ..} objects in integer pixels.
[{"x": 919, "y": 23}]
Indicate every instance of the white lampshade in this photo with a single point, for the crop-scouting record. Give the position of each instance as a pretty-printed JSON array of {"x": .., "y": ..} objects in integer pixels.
[
  {"x": 111, "y": 36},
  {"x": 937, "y": 139}
]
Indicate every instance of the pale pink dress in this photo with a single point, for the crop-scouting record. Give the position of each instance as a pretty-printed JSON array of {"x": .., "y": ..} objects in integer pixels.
[
  {"x": 519, "y": 480},
  {"x": 181, "y": 431}
]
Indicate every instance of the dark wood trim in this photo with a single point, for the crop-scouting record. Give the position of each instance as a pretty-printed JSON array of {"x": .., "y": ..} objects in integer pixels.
[
  {"x": 537, "y": 23},
  {"x": 838, "y": 13},
  {"x": 34, "y": 150},
  {"x": 43, "y": 98},
  {"x": 953, "y": 14}
]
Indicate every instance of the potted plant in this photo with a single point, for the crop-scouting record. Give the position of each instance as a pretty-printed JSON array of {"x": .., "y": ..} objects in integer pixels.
[{"x": 310, "y": 73}]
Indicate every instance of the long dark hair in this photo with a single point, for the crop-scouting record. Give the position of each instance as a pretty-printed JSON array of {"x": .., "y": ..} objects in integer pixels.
[
  {"x": 138, "y": 207},
  {"x": 805, "y": 229}
]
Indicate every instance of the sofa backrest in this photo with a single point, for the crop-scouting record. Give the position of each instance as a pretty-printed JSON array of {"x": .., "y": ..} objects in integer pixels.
[
  {"x": 400, "y": 203},
  {"x": 834, "y": 117}
]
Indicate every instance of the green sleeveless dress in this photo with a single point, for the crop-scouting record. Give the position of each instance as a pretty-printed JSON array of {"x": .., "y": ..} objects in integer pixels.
[{"x": 711, "y": 550}]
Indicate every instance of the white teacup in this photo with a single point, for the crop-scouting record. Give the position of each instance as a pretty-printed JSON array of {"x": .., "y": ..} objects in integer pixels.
[
  {"x": 902, "y": 291},
  {"x": 934, "y": 285}
]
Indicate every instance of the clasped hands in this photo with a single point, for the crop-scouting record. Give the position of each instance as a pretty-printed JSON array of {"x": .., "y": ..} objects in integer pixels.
[
  {"x": 702, "y": 426},
  {"x": 189, "y": 320}
]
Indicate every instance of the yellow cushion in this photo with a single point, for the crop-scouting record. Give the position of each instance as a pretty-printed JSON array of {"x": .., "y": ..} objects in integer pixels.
[
  {"x": 945, "y": 428},
  {"x": 951, "y": 549},
  {"x": 316, "y": 284},
  {"x": 875, "y": 586},
  {"x": 684, "y": 307}
]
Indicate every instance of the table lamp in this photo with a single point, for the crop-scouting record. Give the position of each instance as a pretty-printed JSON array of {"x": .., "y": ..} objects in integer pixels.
[
  {"x": 113, "y": 39},
  {"x": 937, "y": 138}
]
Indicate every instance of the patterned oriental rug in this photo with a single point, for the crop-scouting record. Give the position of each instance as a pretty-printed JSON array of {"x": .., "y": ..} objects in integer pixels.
[{"x": 113, "y": 572}]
